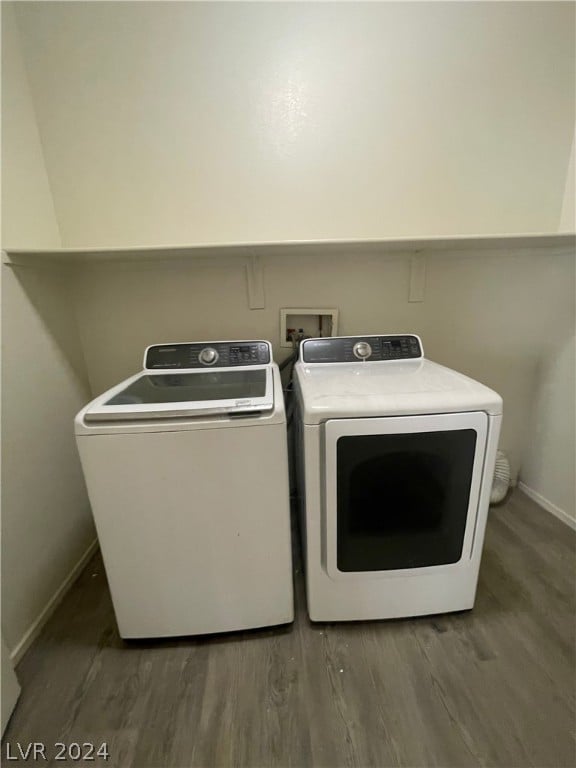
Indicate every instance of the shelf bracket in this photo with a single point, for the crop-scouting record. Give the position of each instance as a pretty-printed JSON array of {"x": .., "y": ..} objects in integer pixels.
[
  {"x": 8, "y": 260},
  {"x": 417, "y": 277},
  {"x": 255, "y": 282}
]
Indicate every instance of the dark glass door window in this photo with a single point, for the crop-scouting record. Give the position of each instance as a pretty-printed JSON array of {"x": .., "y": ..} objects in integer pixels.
[
  {"x": 188, "y": 387},
  {"x": 402, "y": 499}
]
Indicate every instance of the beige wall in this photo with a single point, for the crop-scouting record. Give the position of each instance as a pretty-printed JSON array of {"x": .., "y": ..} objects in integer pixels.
[
  {"x": 568, "y": 213},
  {"x": 28, "y": 216},
  {"x": 46, "y": 524},
  {"x": 226, "y": 122},
  {"x": 489, "y": 314},
  {"x": 549, "y": 457},
  {"x": 549, "y": 466},
  {"x": 9, "y": 687}
]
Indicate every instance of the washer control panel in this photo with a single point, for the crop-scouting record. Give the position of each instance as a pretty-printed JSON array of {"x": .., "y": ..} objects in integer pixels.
[
  {"x": 209, "y": 354},
  {"x": 354, "y": 349}
]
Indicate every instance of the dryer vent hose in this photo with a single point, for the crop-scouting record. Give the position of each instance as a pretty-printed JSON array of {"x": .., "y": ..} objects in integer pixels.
[{"x": 501, "y": 481}]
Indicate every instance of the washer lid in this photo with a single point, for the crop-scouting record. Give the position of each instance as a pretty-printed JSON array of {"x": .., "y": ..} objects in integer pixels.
[
  {"x": 185, "y": 393},
  {"x": 410, "y": 387}
]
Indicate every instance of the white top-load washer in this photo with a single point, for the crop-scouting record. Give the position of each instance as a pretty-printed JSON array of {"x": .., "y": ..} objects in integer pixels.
[
  {"x": 186, "y": 469},
  {"x": 396, "y": 462}
]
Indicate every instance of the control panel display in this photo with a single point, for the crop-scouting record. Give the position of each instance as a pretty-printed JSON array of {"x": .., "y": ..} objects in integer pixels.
[
  {"x": 217, "y": 354},
  {"x": 354, "y": 349}
]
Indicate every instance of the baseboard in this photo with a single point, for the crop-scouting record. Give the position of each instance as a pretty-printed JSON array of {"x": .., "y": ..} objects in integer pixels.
[
  {"x": 548, "y": 506},
  {"x": 34, "y": 629}
]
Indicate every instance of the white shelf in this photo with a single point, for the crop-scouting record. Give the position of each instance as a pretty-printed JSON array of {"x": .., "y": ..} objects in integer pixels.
[
  {"x": 34, "y": 256},
  {"x": 249, "y": 255}
]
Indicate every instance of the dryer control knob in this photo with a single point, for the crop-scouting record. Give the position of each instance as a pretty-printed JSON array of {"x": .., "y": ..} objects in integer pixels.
[
  {"x": 208, "y": 356},
  {"x": 362, "y": 350}
]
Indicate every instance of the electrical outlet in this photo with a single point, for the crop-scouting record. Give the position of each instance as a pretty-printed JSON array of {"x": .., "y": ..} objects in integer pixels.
[{"x": 314, "y": 322}]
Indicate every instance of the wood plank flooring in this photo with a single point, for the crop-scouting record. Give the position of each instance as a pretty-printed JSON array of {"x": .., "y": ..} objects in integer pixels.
[{"x": 490, "y": 687}]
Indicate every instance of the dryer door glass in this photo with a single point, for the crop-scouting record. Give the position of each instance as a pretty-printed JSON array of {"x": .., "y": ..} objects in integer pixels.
[{"x": 402, "y": 499}]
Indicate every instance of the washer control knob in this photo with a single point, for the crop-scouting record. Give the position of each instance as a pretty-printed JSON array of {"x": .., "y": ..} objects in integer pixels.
[
  {"x": 362, "y": 350},
  {"x": 208, "y": 356}
]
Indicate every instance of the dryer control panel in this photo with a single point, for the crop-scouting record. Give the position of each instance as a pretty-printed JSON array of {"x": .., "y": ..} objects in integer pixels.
[
  {"x": 207, "y": 354},
  {"x": 354, "y": 349}
]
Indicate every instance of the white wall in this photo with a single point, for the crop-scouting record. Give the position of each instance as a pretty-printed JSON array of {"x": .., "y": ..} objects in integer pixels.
[
  {"x": 225, "y": 122},
  {"x": 489, "y": 314},
  {"x": 46, "y": 523}
]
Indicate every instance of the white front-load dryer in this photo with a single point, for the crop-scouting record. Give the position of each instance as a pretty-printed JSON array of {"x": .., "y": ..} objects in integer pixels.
[
  {"x": 396, "y": 457},
  {"x": 186, "y": 469}
]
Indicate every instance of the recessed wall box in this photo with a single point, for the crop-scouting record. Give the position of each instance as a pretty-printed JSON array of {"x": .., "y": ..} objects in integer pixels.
[{"x": 312, "y": 321}]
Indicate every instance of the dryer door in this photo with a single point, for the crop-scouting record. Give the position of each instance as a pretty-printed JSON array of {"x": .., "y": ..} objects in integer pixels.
[{"x": 401, "y": 492}]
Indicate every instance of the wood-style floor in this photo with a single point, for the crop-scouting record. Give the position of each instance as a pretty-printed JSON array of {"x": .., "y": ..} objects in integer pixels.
[{"x": 491, "y": 687}]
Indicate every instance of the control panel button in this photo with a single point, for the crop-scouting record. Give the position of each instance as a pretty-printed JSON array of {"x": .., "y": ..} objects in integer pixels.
[
  {"x": 208, "y": 356},
  {"x": 362, "y": 350}
]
